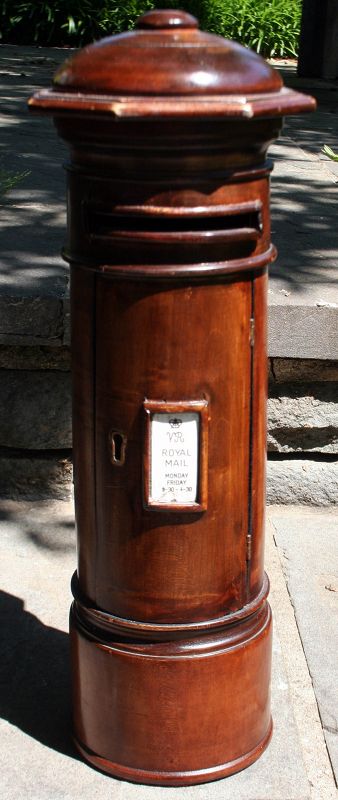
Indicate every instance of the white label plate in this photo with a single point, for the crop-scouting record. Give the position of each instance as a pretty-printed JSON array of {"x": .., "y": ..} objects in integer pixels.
[{"x": 174, "y": 458}]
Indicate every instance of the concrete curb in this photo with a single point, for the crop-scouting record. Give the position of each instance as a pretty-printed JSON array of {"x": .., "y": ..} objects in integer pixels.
[{"x": 304, "y": 704}]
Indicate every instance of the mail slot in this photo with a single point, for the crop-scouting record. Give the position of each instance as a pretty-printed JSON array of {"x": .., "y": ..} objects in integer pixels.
[{"x": 169, "y": 245}]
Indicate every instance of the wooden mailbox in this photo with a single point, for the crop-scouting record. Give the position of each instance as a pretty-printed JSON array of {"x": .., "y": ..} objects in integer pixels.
[{"x": 169, "y": 245}]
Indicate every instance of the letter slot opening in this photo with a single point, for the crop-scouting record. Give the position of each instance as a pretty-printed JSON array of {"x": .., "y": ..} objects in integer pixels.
[{"x": 242, "y": 221}]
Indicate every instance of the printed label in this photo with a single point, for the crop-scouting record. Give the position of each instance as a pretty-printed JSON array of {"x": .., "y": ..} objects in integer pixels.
[{"x": 174, "y": 458}]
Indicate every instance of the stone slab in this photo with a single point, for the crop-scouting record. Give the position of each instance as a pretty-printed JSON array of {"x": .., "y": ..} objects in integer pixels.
[
  {"x": 308, "y": 543},
  {"x": 33, "y": 320},
  {"x": 302, "y": 415},
  {"x": 297, "y": 370},
  {"x": 303, "y": 698},
  {"x": 301, "y": 481},
  {"x": 39, "y": 357},
  {"x": 37, "y": 558},
  {"x": 35, "y": 410},
  {"x": 34, "y": 475},
  {"x": 303, "y": 331},
  {"x": 331, "y": 741},
  {"x": 303, "y": 418}
]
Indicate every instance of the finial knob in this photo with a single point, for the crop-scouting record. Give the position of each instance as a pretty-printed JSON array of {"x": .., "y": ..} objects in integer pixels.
[{"x": 167, "y": 18}]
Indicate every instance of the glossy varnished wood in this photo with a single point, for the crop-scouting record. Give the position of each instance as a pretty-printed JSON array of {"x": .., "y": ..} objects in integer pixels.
[
  {"x": 173, "y": 69},
  {"x": 259, "y": 425},
  {"x": 200, "y": 689},
  {"x": 154, "y": 565},
  {"x": 83, "y": 384},
  {"x": 116, "y": 626},
  {"x": 169, "y": 243}
]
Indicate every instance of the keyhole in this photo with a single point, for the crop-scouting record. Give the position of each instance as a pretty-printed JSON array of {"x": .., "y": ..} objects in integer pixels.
[{"x": 118, "y": 448}]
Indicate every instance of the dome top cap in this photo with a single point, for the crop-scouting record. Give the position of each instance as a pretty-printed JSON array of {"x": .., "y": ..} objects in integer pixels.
[
  {"x": 167, "y": 55},
  {"x": 168, "y": 68}
]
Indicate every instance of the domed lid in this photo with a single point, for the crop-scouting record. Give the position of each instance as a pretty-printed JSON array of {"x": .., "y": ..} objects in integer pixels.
[
  {"x": 167, "y": 55},
  {"x": 168, "y": 67}
]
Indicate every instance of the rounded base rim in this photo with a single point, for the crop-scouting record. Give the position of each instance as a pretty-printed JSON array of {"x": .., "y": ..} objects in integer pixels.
[{"x": 187, "y": 778}]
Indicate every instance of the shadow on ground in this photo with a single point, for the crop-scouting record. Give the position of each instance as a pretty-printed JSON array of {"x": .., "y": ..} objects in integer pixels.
[{"x": 35, "y": 676}]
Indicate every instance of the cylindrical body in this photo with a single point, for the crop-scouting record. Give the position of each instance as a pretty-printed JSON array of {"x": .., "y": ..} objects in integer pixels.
[{"x": 169, "y": 244}]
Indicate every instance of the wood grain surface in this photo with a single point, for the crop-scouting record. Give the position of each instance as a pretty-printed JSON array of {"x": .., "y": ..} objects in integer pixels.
[{"x": 169, "y": 244}]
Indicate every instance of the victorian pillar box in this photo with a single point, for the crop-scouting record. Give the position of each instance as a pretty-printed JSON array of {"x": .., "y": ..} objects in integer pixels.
[{"x": 169, "y": 245}]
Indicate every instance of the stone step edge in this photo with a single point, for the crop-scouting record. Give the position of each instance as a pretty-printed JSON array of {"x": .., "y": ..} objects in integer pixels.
[
  {"x": 45, "y": 320},
  {"x": 290, "y": 481}
]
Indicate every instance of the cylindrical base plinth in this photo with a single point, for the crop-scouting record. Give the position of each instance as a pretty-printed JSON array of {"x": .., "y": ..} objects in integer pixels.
[{"x": 173, "y": 712}]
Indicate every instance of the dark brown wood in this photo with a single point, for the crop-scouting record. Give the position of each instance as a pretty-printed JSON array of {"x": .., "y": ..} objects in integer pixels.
[
  {"x": 167, "y": 55},
  {"x": 259, "y": 402},
  {"x": 169, "y": 242},
  {"x": 167, "y": 67},
  {"x": 103, "y": 621},
  {"x": 219, "y": 177},
  {"x": 169, "y": 712},
  {"x": 144, "y": 560},
  {"x": 83, "y": 377},
  {"x": 249, "y": 107}
]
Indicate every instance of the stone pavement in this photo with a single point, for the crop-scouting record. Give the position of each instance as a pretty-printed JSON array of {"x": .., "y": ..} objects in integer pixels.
[
  {"x": 38, "y": 762},
  {"x": 303, "y": 295}
]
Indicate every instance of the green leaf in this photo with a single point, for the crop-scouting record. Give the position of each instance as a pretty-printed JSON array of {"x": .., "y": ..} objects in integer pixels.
[
  {"x": 8, "y": 180},
  {"x": 328, "y": 152}
]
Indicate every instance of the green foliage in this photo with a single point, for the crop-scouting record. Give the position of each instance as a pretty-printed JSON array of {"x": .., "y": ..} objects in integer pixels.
[
  {"x": 49, "y": 23},
  {"x": 8, "y": 180},
  {"x": 330, "y": 153},
  {"x": 271, "y": 27}
]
